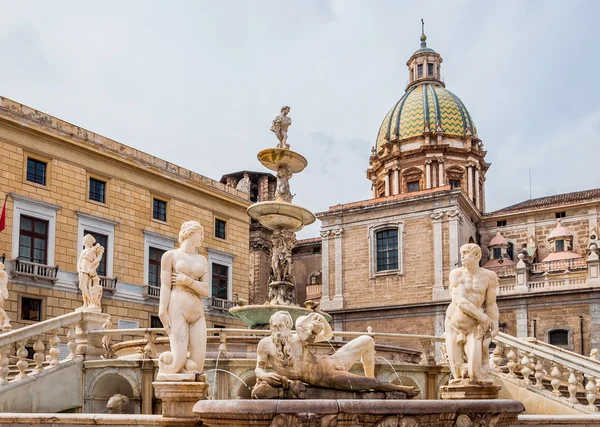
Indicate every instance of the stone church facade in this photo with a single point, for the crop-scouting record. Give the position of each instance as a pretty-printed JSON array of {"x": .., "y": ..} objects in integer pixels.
[{"x": 385, "y": 261}]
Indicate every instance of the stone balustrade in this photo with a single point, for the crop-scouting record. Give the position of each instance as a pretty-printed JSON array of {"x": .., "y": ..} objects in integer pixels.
[
  {"x": 79, "y": 344},
  {"x": 35, "y": 270},
  {"x": 559, "y": 374},
  {"x": 559, "y": 265},
  {"x": 109, "y": 284}
]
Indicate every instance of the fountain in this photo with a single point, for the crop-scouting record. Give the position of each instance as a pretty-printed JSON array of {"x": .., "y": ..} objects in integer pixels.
[{"x": 284, "y": 219}]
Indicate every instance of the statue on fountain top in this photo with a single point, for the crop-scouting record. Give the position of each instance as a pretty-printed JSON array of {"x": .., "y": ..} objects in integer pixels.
[
  {"x": 280, "y": 125},
  {"x": 295, "y": 365},
  {"x": 468, "y": 328},
  {"x": 89, "y": 282}
]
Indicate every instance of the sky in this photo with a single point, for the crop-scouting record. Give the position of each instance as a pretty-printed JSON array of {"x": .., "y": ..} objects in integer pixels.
[{"x": 198, "y": 83}]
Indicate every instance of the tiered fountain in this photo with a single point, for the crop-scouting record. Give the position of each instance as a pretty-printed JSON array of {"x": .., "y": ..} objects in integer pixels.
[{"x": 284, "y": 219}]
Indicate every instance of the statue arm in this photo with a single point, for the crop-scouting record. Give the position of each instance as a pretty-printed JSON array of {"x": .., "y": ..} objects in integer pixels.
[
  {"x": 166, "y": 270},
  {"x": 490, "y": 303},
  {"x": 262, "y": 358},
  {"x": 200, "y": 287}
]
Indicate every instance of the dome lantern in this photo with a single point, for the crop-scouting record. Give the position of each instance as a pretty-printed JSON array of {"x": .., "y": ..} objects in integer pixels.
[{"x": 424, "y": 64}]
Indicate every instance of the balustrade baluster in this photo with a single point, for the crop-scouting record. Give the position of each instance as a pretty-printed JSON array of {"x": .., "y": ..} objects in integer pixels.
[
  {"x": 539, "y": 374},
  {"x": 572, "y": 387},
  {"x": 39, "y": 348},
  {"x": 71, "y": 345},
  {"x": 4, "y": 365},
  {"x": 591, "y": 395},
  {"x": 556, "y": 380},
  {"x": 512, "y": 364},
  {"x": 497, "y": 357},
  {"x": 22, "y": 364},
  {"x": 54, "y": 351},
  {"x": 526, "y": 369}
]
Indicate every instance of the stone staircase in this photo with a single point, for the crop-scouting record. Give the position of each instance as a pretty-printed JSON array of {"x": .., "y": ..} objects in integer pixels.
[{"x": 546, "y": 378}]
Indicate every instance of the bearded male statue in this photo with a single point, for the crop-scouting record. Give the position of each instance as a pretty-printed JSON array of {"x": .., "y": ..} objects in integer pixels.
[{"x": 294, "y": 364}]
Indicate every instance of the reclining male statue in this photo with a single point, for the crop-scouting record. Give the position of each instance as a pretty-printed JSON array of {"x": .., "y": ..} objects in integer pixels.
[{"x": 294, "y": 363}]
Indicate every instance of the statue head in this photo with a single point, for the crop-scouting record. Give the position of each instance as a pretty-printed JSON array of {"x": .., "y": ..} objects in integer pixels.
[
  {"x": 190, "y": 228},
  {"x": 88, "y": 241},
  {"x": 470, "y": 254},
  {"x": 281, "y": 321},
  {"x": 246, "y": 175},
  {"x": 285, "y": 110},
  {"x": 117, "y": 404}
]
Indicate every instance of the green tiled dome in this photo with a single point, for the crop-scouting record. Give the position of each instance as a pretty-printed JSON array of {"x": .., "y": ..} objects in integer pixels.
[{"x": 425, "y": 103}]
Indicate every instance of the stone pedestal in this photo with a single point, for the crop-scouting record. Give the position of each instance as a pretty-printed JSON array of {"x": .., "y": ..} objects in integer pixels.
[
  {"x": 469, "y": 389},
  {"x": 179, "y": 397},
  {"x": 90, "y": 345}
]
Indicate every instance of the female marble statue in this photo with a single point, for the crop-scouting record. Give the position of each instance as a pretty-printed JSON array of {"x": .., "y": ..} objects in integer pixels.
[{"x": 184, "y": 281}]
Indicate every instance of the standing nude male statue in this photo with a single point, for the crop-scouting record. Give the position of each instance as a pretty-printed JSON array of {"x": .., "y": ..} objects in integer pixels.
[
  {"x": 468, "y": 328},
  {"x": 294, "y": 363},
  {"x": 4, "y": 320},
  {"x": 280, "y": 125},
  {"x": 89, "y": 282}
]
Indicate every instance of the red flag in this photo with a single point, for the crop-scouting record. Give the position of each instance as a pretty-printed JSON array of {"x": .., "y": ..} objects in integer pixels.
[{"x": 3, "y": 217}]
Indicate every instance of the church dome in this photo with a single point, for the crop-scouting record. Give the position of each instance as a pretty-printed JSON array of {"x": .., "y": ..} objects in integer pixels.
[{"x": 425, "y": 107}]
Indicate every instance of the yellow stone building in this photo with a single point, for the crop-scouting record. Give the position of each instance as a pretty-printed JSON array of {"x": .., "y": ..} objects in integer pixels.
[{"x": 61, "y": 181}]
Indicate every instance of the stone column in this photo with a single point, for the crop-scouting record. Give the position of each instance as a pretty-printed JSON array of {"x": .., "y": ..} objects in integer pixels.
[
  {"x": 438, "y": 257},
  {"x": 428, "y": 174},
  {"x": 521, "y": 312},
  {"x": 387, "y": 184},
  {"x": 263, "y": 189},
  {"x": 395, "y": 186},
  {"x": 483, "y": 195},
  {"x": 325, "y": 267},
  {"x": 454, "y": 217},
  {"x": 147, "y": 390},
  {"x": 470, "y": 181},
  {"x": 441, "y": 173},
  {"x": 337, "y": 303},
  {"x": 477, "y": 199},
  {"x": 521, "y": 275},
  {"x": 593, "y": 264}
]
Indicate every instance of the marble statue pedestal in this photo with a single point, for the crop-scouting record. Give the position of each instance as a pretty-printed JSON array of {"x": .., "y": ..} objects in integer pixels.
[
  {"x": 469, "y": 389},
  {"x": 179, "y": 397}
]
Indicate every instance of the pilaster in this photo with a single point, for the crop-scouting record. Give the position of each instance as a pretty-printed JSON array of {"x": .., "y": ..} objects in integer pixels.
[
  {"x": 337, "y": 303},
  {"x": 454, "y": 217},
  {"x": 477, "y": 199},
  {"x": 325, "y": 267},
  {"x": 438, "y": 258},
  {"x": 428, "y": 174},
  {"x": 440, "y": 173}
]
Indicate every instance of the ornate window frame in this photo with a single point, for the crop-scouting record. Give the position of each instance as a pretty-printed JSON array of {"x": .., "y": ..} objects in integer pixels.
[
  {"x": 23, "y": 205},
  {"x": 373, "y": 230},
  {"x": 225, "y": 259}
]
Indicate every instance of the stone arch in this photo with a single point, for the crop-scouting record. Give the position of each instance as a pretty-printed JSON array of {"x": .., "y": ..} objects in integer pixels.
[
  {"x": 240, "y": 391},
  {"x": 102, "y": 384},
  {"x": 443, "y": 380}
]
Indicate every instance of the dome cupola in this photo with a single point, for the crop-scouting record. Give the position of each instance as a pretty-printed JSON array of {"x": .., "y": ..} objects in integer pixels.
[{"x": 428, "y": 138}]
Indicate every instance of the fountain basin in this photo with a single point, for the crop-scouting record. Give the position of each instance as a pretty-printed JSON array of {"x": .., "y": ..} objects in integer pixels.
[
  {"x": 341, "y": 413},
  {"x": 257, "y": 316},
  {"x": 281, "y": 215},
  {"x": 274, "y": 158}
]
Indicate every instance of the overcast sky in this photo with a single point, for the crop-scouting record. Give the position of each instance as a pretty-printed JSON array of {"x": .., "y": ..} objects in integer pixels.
[{"x": 198, "y": 83}]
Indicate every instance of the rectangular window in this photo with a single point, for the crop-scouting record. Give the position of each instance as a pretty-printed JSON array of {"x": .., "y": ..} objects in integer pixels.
[
  {"x": 220, "y": 278},
  {"x": 154, "y": 256},
  {"x": 33, "y": 239},
  {"x": 220, "y": 228},
  {"x": 430, "y": 69},
  {"x": 559, "y": 245},
  {"x": 413, "y": 186},
  {"x": 497, "y": 253},
  {"x": 155, "y": 322},
  {"x": 387, "y": 250},
  {"x": 420, "y": 70},
  {"x": 559, "y": 337},
  {"x": 159, "y": 210},
  {"x": 101, "y": 239},
  {"x": 561, "y": 214},
  {"x": 31, "y": 309},
  {"x": 97, "y": 190},
  {"x": 36, "y": 171},
  {"x": 501, "y": 223},
  {"x": 454, "y": 184}
]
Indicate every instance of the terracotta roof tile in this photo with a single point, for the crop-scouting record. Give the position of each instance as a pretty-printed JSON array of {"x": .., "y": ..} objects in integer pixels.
[{"x": 556, "y": 200}]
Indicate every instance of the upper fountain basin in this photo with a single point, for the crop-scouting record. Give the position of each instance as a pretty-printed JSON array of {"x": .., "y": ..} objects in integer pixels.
[
  {"x": 274, "y": 158},
  {"x": 281, "y": 215}
]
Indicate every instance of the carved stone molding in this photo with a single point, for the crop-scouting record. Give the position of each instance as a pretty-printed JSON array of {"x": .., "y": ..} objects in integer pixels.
[
  {"x": 325, "y": 234},
  {"x": 338, "y": 232},
  {"x": 437, "y": 216}
]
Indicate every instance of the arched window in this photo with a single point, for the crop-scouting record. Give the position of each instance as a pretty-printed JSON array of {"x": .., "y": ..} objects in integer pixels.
[{"x": 559, "y": 337}]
